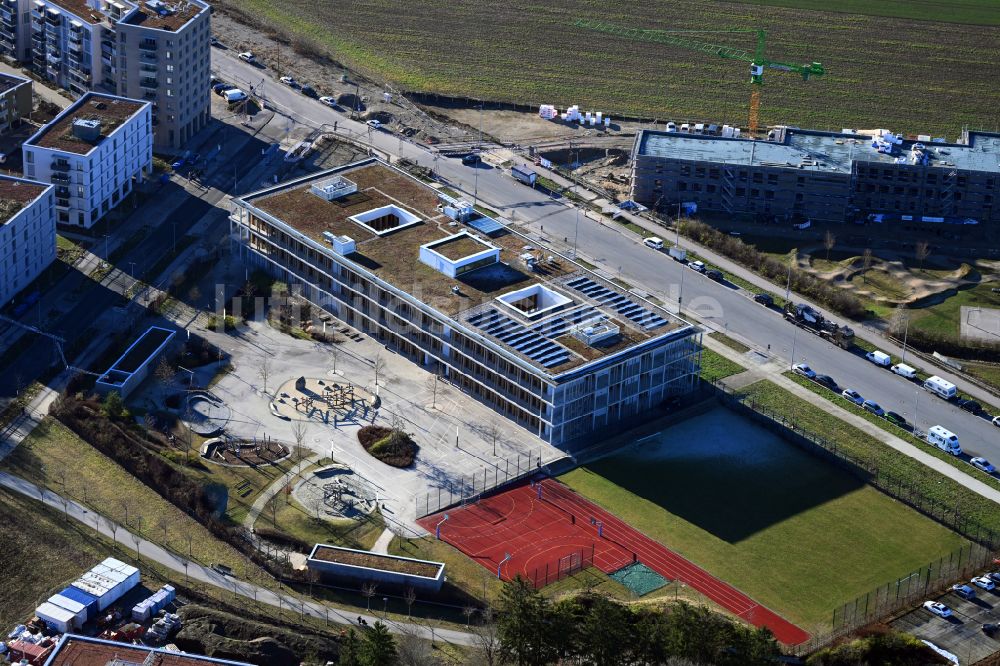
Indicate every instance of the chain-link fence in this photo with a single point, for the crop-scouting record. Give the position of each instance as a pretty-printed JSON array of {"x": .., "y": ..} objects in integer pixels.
[
  {"x": 561, "y": 567},
  {"x": 470, "y": 487}
]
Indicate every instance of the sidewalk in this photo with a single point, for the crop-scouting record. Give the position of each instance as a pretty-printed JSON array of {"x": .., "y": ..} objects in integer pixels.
[
  {"x": 768, "y": 371},
  {"x": 261, "y": 502}
]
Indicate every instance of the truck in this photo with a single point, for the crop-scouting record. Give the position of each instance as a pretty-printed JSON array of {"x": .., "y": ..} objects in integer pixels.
[
  {"x": 677, "y": 253},
  {"x": 524, "y": 174},
  {"x": 804, "y": 316}
]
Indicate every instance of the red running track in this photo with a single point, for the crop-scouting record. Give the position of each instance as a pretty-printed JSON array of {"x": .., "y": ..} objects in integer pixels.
[{"x": 538, "y": 532}]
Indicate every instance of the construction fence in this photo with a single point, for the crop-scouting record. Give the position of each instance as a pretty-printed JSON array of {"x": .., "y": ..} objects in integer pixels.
[
  {"x": 560, "y": 568},
  {"x": 470, "y": 487}
]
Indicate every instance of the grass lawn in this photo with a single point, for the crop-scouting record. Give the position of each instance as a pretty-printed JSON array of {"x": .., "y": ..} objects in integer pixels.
[
  {"x": 863, "y": 446},
  {"x": 985, "y": 372},
  {"x": 41, "y": 554},
  {"x": 793, "y": 532},
  {"x": 973, "y": 12},
  {"x": 715, "y": 366},
  {"x": 54, "y": 457},
  {"x": 286, "y": 514},
  {"x": 945, "y": 317},
  {"x": 729, "y": 342}
]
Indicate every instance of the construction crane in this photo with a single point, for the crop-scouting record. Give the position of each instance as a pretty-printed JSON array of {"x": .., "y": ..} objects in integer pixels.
[{"x": 684, "y": 39}]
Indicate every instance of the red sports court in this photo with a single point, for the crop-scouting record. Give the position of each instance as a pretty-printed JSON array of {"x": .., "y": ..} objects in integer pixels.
[{"x": 530, "y": 527}]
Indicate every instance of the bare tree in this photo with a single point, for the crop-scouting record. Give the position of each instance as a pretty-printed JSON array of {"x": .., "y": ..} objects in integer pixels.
[
  {"x": 137, "y": 540},
  {"x": 410, "y": 597},
  {"x": 163, "y": 523},
  {"x": 189, "y": 536},
  {"x": 114, "y": 532},
  {"x": 274, "y": 511},
  {"x": 487, "y": 639},
  {"x": 368, "y": 590},
  {"x": 432, "y": 386},
  {"x": 125, "y": 503},
  {"x": 468, "y": 612},
  {"x": 922, "y": 250},
  {"x": 829, "y": 240},
  {"x": 299, "y": 434},
  {"x": 164, "y": 372},
  {"x": 378, "y": 365},
  {"x": 264, "y": 371},
  {"x": 866, "y": 263},
  {"x": 412, "y": 650},
  {"x": 65, "y": 504},
  {"x": 59, "y": 474}
]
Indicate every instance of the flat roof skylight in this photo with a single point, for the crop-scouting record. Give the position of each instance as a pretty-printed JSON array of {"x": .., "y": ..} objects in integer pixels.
[
  {"x": 385, "y": 219},
  {"x": 534, "y": 301}
]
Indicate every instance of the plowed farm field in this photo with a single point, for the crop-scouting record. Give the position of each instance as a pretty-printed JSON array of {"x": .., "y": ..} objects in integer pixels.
[{"x": 907, "y": 75}]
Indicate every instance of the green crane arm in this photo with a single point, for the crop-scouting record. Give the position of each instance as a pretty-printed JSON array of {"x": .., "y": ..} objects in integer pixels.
[{"x": 682, "y": 39}]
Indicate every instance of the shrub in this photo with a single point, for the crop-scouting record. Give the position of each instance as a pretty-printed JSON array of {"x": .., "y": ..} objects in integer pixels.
[{"x": 391, "y": 446}]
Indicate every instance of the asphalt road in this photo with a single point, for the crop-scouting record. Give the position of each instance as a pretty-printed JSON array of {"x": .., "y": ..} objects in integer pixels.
[{"x": 726, "y": 308}]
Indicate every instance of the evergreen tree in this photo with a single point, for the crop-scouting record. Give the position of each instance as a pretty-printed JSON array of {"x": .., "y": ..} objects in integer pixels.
[
  {"x": 378, "y": 647},
  {"x": 523, "y": 624},
  {"x": 350, "y": 650}
]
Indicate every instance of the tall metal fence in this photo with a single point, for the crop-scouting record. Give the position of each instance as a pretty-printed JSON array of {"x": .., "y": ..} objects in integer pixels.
[
  {"x": 470, "y": 487},
  {"x": 884, "y": 477},
  {"x": 560, "y": 568}
]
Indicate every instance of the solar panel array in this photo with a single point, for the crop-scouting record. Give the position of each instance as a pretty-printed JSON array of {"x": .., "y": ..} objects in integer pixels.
[
  {"x": 623, "y": 305},
  {"x": 485, "y": 225},
  {"x": 534, "y": 341}
]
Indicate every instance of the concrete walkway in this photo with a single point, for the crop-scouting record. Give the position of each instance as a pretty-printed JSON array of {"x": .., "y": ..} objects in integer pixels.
[
  {"x": 206, "y": 574},
  {"x": 773, "y": 372},
  {"x": 382, "y": 544},
  {"x": 261, "y": 502}
]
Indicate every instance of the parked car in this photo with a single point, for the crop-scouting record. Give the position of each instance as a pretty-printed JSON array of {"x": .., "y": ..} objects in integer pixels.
[
  {"x": 990, "y": 628},
  {"x": 235, "y": 95},
  {"x": 996, "y": 421},
  {"x": 715, "y": 275},
  {"x": 471, "y": 159},
  {"x": 654, "y": 242},
  {"x": 983, "y": 464},
  {"x": 247, "y": 56},
  {"x": 904, "y": 370},
  {"x": 994, "y": 576},
  {"x": 374, "y": 124},
  {"x": 804, "y": 370},
  {"x": 896, "y": 419},
  {"x": 764, "y": 299},
  {"x": 880, "y": 359},
  {"x": 214, "y": 41},
  {"x": 289, "y": 81},
  {"x": 826, "y": 380},
  {"x": 698, "y": 266},
  {"x": 853, "y": 396},
  {"x": 983, "y": 582},
  {"x": 309, "y": 91},
  {"x": 220, "y": 88},
  {"x": 330, "y": 102},
  {"x": 970, "y": 406},
  {"x": 873, "y": 407},
  {"x": 937, "y": 608},
  {"x": 963, "y": 591}
]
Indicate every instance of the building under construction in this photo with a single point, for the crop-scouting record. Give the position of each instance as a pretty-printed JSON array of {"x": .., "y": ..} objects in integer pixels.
[{"x": 805, "y": 174}]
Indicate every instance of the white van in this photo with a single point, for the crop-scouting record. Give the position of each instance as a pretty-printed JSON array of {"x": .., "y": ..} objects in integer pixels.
[
  {"x": 904, "y": 370},
  {"x": 685, "y": 127},
  {"x": 944, "y": 439},
  {"x": 653, "y": 242},
  {"x": 879, "y": 358},
  {"x": 943, "y": 388},
  {"x": 671, "y": 126}
]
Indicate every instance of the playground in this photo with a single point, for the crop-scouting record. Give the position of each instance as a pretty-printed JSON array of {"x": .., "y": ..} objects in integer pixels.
[
  {"x": 539, "y": 530},
  {"x": 336, "y": 492},
  {"x": 323, "y": 400}
]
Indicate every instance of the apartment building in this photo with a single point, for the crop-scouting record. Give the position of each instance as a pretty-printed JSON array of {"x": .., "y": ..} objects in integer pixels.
[
  {"x": 151, "y": 50},
  {"x": 846, "y": 176},
  {"x": 558, "y": 349},
  {"x": 27, "y": 233},
  {"x": 94, "y": 152},
  {"x": 15, "y": 100}
]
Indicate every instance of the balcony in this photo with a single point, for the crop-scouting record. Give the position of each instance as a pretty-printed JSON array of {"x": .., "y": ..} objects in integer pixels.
[
  {"x": 150, "y": 95},
  {"x": 62, "y": 204},
  {"x": 148, "y": 45},
  {"x": 147, "y": 56},
  {"x": 60, "y": 165},
  {"x": 61, "y": 178},
  {"x": 149, "y": 83}
]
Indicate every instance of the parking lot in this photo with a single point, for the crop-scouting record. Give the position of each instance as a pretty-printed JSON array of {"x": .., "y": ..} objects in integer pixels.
[{"x": 961, "y": 634}]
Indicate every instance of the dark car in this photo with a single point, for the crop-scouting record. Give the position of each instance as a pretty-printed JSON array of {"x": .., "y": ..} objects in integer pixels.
[
  {"x": 715, "y": 275},
  {"x": 220, "y": 88},
  {"x": 471, "y": 159},
  {"x": 873, "y": 407},
  {"x": 970, "y": 406},
  {"x": 764, "y": 299},
  {"x": 990, "y": 628},
  {"x": 309, "y": 91},
  {"x": 896, "y": 419},
  {"x": 827, "y": 381}
]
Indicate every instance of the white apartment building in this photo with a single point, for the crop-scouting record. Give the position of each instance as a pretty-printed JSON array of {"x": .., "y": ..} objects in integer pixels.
[
  {"x": 93, "y": 152},
  {"x": 27, "y": 233},
  {"x": 151, "y": 50}
]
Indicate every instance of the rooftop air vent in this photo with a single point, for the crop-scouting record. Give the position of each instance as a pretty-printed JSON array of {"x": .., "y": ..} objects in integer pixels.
[
  {"x": 596, "y": 330},
  {"x": 334, "y": 188},
  {"x": 341, "y": 244}
]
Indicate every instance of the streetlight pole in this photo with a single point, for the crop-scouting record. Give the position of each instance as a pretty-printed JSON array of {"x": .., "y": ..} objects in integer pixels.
[
  {"x": 576, "y": 230},
  {"x": 906, "y": 333},
  {"x": 795, "y": 332}
]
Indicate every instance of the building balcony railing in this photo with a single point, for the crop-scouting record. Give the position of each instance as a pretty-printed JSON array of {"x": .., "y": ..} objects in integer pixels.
[
  {"x": 147, "y": 56},
  {"x": 150, "y": 95},
  {"x": 148, "y": 44},
  {"x": 60, "y": 165},
  {"x": 62, "y": 204},
  {"x": 60, "y": 177},
  {"x": 149, "y": 83}
]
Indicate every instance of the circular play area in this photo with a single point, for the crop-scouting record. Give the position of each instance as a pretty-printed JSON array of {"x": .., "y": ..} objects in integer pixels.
[
  {"x": 205, "y": 414},
  {"x": 248, "y": 452},
  {"x": 336, "y": 492},
  {"x": 323, "y": 400}
]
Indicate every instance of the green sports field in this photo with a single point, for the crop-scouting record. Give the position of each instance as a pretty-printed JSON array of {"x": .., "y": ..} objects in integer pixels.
[
  {"x": 924, "y": 76},
  {"x": 789, "y": 530}
]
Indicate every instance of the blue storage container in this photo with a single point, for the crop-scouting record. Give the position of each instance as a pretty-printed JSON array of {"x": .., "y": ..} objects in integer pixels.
[{"x": 85, "y": 598}]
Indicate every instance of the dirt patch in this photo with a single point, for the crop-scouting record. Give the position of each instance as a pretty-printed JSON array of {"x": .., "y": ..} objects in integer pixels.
[
  {"x": 376, "y": 561},
  {"x": 393, "y": 447},
  {"x": 251, "y": 454}
]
